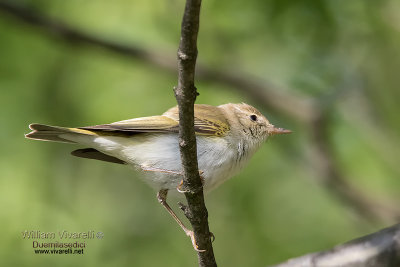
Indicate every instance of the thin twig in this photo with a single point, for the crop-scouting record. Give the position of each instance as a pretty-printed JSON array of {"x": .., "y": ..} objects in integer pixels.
[{"x": 186, "y": 94}]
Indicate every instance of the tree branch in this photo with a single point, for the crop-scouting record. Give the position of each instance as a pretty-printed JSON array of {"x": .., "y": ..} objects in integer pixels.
[
  {"x": 185, "y": 94},
  {"x": 380, "y": 249},
  {"x": 294, "y": 105}
]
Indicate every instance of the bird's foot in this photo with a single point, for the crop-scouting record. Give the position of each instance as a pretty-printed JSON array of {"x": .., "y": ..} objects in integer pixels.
[
  {"x": 181, "y": 188},
  {"x": 190, "y": 234}
]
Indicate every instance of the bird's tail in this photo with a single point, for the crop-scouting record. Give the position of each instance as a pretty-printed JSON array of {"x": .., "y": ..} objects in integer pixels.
[
  {"x": 53, "y": 133},
  {"x": 68, "y": 135}
]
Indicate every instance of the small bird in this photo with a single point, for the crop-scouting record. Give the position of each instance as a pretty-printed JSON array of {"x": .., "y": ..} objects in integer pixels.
[{"x": 226, "y": 135}]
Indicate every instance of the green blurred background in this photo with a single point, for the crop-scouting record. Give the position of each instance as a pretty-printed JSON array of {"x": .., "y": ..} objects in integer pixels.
[{"x": 343, "y": 55}]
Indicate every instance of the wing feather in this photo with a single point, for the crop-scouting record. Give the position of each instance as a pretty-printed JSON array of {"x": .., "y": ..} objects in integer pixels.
[
  {"x": 138, "y": 125},
  {"x": 208, "y": 120}
]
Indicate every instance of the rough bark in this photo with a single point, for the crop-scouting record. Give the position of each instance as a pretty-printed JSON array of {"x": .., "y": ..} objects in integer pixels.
[
  {"x": 185, "y": 94},
  {"x": 380, "y": 249}
]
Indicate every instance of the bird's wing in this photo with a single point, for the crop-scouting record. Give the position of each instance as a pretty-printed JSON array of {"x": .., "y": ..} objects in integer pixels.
[
  {"x": 208, "y": 121},
  {"x": 91, "y": 153},
  {"x": 138, "y": 125}
]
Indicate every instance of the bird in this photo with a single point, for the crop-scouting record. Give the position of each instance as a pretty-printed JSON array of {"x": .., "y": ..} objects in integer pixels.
[{"x": 226, "y": 135}]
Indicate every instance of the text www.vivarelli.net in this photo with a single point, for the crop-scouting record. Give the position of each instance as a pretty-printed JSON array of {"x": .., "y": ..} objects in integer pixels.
[{"x": 59, "y": 251}]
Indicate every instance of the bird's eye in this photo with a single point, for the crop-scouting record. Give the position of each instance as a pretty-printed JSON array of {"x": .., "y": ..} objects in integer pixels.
[{"x": 253, "y": 117}]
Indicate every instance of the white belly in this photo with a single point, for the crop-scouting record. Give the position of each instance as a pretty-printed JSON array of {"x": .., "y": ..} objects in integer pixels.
[{"x": 217, "y": 159}]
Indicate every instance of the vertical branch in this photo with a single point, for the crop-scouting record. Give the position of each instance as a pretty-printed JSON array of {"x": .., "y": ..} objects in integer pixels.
[{"x": 185, "y": 94}]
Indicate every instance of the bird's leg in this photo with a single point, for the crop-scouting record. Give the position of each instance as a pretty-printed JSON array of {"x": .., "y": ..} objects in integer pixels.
[
  {"x": 180, "y": 186},
  {"x": 162, "y": 198}
]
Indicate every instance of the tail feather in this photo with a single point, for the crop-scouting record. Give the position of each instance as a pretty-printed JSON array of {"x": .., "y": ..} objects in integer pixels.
[
  {"x": 60, "y": 134},
  {"x": 49, "y": 133}
]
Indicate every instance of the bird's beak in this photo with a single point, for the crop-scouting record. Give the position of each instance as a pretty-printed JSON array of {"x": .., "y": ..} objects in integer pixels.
[{"x": 272, "y": 130}]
